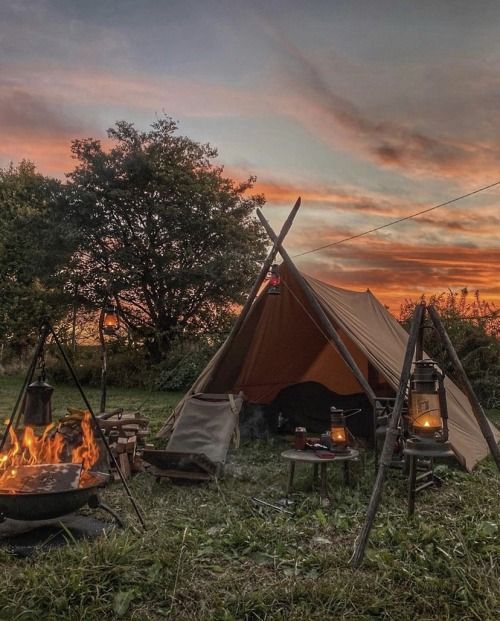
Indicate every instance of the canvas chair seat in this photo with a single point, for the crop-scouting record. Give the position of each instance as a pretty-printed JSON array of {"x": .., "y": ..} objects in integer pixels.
[
  {"x": 206, "y": 425},
  {"x": 199, "y": 442}
]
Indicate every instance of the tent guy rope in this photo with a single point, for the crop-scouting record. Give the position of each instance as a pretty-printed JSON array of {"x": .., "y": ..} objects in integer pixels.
[{"x": 388, "y": 224}]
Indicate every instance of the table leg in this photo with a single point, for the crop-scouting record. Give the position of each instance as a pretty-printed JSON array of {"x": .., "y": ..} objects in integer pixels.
[
  {"x": 411, "y": 484},
  {"x": 323, "y": 491},
  {"x": 347, "y": 474},
  {"x": 315, "y": 475},
  {"x": 291, "y": 474}
]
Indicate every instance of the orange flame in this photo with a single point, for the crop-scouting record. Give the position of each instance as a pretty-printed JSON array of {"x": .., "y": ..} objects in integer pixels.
[
  {"x": 87, "y": 453},
  {"x": 28, "y": 449}
]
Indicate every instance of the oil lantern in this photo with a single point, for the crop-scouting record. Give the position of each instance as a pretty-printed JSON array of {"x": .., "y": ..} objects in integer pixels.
[
  {"x": 428, "y": 413},
  {"x": 426, "y": 399},
  {"x": 338, "y": 430},
  {"x": 428, "y": 426},
  {"x": 274, "y": 280},
  {"x": 110, "y": 320}
]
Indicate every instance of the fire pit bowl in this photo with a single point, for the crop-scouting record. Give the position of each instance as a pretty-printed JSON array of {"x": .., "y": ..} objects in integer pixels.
[{"x": 47, "y": 505}]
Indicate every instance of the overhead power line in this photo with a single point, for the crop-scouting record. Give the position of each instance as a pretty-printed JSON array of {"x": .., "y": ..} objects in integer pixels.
[{"x": 384, "y": 226}]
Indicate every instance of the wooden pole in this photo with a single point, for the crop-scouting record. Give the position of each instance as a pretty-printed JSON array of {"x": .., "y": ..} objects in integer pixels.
[
  {"x": 390, "y": 439},
  {"x": 104, "y": 363},
  {"x": 477, "y": 409},
  {"x": 97, "y": 427},
  {"x": 419, "y": 347},
  {"x": 255, "y": 289},
  {"x": 324, "y": 321}
]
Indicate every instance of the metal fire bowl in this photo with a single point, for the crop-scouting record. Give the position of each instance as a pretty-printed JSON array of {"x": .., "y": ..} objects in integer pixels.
[{"x": 48, "y": 505}]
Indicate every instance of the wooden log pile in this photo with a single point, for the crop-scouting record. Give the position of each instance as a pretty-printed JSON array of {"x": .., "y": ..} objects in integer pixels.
[{"x": 126, "y": 433}]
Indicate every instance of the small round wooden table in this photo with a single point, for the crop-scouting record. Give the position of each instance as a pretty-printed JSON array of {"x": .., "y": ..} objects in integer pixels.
[{"x": 310, "y": 457}]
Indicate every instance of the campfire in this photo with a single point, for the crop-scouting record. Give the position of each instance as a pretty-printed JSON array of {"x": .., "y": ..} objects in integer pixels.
[
  {"x": 48, "y": 471},
  {"x": 50, "y": 461}
]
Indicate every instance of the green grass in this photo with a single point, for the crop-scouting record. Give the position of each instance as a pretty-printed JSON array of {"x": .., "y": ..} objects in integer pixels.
[{"x": 208, "y": 554}]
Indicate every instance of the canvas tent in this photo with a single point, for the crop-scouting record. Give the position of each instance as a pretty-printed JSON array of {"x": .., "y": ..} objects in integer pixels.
[{"x": 281, "y": 342}]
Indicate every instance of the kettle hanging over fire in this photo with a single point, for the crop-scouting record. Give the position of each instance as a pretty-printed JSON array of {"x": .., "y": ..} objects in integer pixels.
[{"x": 37, "y": 410}]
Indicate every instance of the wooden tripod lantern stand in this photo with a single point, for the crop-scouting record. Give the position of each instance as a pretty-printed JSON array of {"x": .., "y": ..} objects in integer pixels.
[
  {"x": 415, "y": 345},
  {"x": 109, "y": 324}
]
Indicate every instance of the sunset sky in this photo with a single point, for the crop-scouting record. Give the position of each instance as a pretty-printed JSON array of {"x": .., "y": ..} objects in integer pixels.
[{"x": 369, "y": 109}]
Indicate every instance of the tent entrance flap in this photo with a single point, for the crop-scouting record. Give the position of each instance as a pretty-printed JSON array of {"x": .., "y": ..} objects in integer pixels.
[{"x": 308, "y": 405}]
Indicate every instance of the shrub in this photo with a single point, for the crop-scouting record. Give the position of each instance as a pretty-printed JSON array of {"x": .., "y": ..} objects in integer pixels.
[
  {"x": 184, "y": 363},
  {"x": 126, "y": 367}
]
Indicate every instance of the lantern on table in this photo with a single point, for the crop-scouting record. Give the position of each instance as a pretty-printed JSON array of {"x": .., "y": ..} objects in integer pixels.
[{"x": 339, "y": 434}]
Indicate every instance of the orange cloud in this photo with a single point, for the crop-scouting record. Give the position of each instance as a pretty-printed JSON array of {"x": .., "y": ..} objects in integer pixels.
[
  {"x": 35, "y": 123},
  {"x": 453, "y": 247},
  {"x": 395, "y": 271},
  {"x": 87, "y": 87},
  {"x": 39, "y": 118},
  {"x": 51, "y": 155},
  {"x": 474, "y": 218}
]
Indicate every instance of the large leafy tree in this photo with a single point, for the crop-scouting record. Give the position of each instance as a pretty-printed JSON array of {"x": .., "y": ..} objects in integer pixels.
[
  {"x": 34, "y": 246},
  {"x": 164, "y": 229}
]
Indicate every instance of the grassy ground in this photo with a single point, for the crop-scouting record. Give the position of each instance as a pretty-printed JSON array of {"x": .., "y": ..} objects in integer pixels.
[{"x": 208, "y": 554}]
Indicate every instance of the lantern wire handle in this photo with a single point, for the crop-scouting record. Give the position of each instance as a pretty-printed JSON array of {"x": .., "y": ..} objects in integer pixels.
[{"x": 352, "y": 412}]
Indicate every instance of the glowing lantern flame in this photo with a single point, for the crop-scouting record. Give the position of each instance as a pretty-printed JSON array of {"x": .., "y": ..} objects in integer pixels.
[
  {"x": 110, "y": 320},
  {"x": 338, "y": 429}
]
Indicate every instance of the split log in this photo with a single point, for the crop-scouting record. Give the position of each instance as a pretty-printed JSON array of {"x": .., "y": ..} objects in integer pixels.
[
  {"x": 126, "y": 433},
  {"x": 124, "y": 464}
]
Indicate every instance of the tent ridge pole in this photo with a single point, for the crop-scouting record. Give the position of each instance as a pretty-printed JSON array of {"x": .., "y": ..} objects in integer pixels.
[{"x": 325, "y": 322}]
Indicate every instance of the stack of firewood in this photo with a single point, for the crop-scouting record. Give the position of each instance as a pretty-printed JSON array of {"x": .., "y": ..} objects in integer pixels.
[{"x": 126, "y": 433}]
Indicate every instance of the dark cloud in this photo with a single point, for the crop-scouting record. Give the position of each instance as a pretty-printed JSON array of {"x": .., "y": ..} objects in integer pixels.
[
  {"x": 390, "y": 143},
  {"x": 23, "y": 113}
]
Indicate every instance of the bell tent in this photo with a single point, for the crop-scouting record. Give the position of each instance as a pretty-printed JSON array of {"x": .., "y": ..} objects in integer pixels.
[
  {"x": 282, "y": 343},
  {"x": 315, "y": 334}
]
